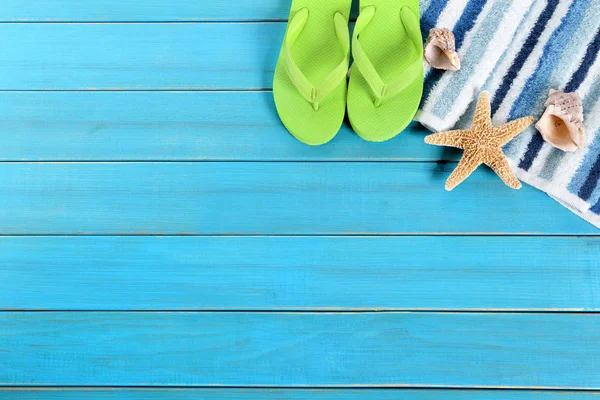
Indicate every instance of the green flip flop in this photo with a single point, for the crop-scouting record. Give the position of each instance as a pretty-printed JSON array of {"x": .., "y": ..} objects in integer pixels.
[
  {"x": 310, "y": 79},
  {"x": 386, "y": 82}
]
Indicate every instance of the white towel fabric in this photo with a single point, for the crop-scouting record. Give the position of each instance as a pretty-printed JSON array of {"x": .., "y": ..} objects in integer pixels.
[{"x": 518, "y": 50}]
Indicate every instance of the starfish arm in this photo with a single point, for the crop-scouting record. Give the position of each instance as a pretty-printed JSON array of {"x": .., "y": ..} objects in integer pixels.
[
  {"x": 449, "y": 138},
  {"x": 483, "y": 113},
  {"x": 465, "y": 168},
  {"x": 504, "y": 133},
  {"x": 500, "y": 165}
]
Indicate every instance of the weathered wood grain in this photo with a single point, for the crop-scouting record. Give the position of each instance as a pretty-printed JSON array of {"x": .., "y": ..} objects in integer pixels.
[
  {"x": 300, "y": 349},
  {"x": 149, "y": 11},
  {"x": 299, "y": 273},
  {"x": 139, "y": 56},
  {"x": 492, "y": 350},
  {"x": 118, "y": 126},
  {"x": 218, "y": 198},
  {"x": 142, "y": 10},
  {"x": 289, "y": 394}
]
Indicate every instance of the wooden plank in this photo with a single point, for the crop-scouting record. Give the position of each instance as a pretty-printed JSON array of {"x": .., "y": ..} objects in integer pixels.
[
  {"x": 269, "y": 198},
  {"x": 299, "y": 273},
  {"x": 120, "y": 126},
  {"x": 146, "y": 11},
  {"x": 289, "y": 394},
  {"x": 300, "y": 349},
  {"x": 142, "y": 11},
  {"x": 139, "y": 56}
]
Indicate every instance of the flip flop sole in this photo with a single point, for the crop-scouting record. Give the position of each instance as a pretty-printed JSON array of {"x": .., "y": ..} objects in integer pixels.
[
  {"x": 391, "y": 51},
  {"x": 317, "y": 53}
]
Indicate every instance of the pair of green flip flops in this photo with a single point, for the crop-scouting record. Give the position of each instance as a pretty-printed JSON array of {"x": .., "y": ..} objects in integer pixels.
[{"x": 386, "y": 83}]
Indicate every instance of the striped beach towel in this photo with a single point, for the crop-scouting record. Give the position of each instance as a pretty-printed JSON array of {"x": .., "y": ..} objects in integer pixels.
[{"x": 518, "y": 50}]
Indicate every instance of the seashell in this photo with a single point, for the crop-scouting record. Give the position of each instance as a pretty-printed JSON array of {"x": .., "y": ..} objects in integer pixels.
[
  {"x": 562, "y": 123},
  {"x": 440, "y": 50}
]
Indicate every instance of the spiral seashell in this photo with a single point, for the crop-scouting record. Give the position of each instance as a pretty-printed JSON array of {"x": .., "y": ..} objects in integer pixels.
[
  {"x": 562, "y": 122},
  {"x": 440, "y": 50}
]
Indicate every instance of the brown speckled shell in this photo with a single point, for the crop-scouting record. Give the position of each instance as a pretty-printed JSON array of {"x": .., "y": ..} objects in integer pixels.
[
  {"x": 440, "y": 50},
  {"x": 562, "y": 123}
]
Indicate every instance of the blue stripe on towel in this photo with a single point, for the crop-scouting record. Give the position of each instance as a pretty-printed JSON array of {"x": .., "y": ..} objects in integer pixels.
[
  {"x": 524, "y": 53},
  {"x": 590, "y": 183},
  {"x": 465, "y": 23},
  {"x": 596, "y": 209},
  {"x": 532, "y": 92},
  {"x": 595, "y": 197},
  {"x": 467, "y": 20},
  {"x": 475, "y": 53},
  {"x": 588, "y": 162},
  {"x": 554, "y": 158},
  {"x": 431, "y": 16},
  {"x": 589, "y": 59},
  {"x": 424, "y": 5}
]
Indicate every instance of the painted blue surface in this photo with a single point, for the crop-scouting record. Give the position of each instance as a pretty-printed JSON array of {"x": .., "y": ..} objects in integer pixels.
[
  {"x": 259, "y": 349},
  {"x": 159, "y": 227},
  {"x": 291, "y": 394},
  {"x": 176, "y": 126},
  {"x": 140, "y": 56},
  {"x": 291, "y": 273}
]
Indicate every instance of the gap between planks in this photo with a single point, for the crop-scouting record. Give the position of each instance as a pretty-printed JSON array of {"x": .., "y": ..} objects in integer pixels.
[
  {"x": 324, "y": 310},
  {"x": 390, "y": 387},
  {"x": 182, "y": 22}
]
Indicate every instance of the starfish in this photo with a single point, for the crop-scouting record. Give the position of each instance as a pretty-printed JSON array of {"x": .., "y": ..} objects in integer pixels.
[{"x": 482, "y": 144}]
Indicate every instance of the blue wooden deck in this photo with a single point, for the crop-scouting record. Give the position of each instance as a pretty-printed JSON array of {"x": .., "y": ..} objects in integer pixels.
[{"x": 163, "y": 237}]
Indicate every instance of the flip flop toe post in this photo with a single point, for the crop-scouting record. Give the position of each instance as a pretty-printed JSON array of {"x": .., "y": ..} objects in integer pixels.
[{"x": 310, "y": 87}]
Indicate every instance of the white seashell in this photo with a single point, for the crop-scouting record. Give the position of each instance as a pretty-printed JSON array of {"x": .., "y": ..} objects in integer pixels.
[
  {"x": 440, "y": 50},
  {"x": 562, "y": 123}
]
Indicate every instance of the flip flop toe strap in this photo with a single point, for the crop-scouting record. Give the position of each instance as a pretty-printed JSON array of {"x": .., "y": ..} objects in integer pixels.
[
  {"x": 316, "y": 94},
  {"x": 382, "y": 90}
]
